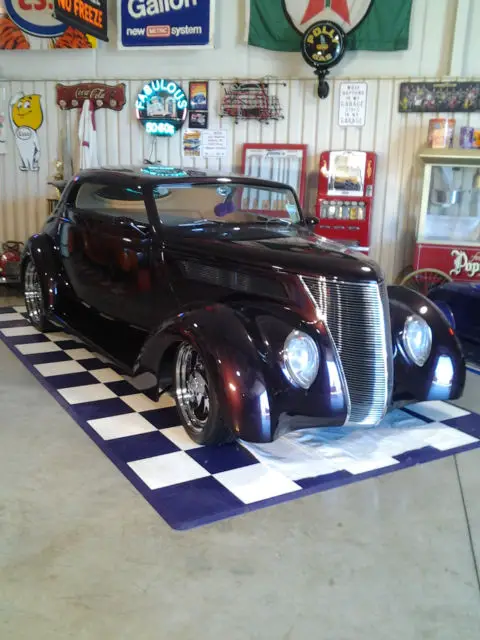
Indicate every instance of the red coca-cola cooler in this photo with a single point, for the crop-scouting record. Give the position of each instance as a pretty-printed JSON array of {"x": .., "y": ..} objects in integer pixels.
[
  {"x": 448, "y": 233},
  {"x": 345, "y": 197}
]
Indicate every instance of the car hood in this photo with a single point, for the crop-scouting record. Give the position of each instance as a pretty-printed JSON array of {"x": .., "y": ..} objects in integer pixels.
[{"x": 293, "y": 249}]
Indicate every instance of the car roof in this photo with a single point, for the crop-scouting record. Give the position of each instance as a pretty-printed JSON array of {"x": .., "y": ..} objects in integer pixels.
[{"x": 159, "y": 173}]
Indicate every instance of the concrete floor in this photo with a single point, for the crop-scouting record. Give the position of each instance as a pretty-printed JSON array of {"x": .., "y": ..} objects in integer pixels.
[{"x": 82, "y": 554}]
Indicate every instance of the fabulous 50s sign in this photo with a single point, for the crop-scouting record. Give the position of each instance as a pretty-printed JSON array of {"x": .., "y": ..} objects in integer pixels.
[
  {"x": 162, "y": 107},
  {"x": 165, "y": 23}
]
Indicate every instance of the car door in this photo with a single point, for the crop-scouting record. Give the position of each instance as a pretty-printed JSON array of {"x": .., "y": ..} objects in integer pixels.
[{"x": 108, "y": 246}]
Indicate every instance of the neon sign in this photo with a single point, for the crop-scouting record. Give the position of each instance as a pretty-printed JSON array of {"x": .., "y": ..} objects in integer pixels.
[{"x": 162, "y": 107}]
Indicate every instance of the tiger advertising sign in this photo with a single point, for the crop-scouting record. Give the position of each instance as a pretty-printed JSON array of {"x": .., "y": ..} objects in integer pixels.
[{"x": 29, "y": 24}]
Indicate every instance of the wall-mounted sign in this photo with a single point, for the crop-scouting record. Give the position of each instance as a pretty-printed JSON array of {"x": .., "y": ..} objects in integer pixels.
[
  {"x": 26, "y": 118},
  {"x": 162, "y": 107},
  {"x": 88, "y": 16},
  {"x": 102, "y": 96},
  {"x": 214, "y": 143},
  {"x": 29, "y": 24},
  {"x": 34, "y": 18},
  {"x": 174, "y": 24},
  {"x": 198, "y": 120},
  {"x": 208, "y": 144},
  {"x": 323, "y": 46},
  {"x": 439, "y": 97},
  {"x": 353, "y": 104},
  {"x": 198, "y": 95}
]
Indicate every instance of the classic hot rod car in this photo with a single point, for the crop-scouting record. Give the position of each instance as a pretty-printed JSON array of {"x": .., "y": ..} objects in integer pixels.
[{"x": 214, "y": 287}]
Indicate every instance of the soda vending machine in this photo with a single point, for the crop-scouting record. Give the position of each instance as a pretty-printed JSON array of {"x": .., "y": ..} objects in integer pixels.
[{"x": 345, "y": 197}]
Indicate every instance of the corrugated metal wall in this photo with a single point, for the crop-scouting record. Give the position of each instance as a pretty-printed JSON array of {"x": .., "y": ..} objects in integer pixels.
[{"x": 396, "y": 138}]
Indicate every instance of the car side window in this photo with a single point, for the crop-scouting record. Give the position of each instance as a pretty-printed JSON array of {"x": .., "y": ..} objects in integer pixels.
[{"x": 112, "y": 200}]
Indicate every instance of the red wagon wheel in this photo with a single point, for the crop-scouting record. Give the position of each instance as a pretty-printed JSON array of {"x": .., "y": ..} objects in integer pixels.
[{"x": 424, "y": 280}]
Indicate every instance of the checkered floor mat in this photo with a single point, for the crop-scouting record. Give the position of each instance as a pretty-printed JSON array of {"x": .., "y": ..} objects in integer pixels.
[{"x": 190, "y": 485}]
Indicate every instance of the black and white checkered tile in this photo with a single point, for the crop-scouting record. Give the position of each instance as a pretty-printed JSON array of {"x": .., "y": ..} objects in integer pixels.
[{"x": 191, "y": 485}]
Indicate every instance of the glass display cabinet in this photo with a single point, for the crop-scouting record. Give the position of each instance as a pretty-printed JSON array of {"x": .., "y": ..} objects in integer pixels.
[{"x": 448, "y": 237}]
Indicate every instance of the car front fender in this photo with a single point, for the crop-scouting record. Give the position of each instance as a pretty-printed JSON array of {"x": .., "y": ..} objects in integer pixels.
[
  {"x": 244, "y": 343},
  {"x": 423, "y": 383}
]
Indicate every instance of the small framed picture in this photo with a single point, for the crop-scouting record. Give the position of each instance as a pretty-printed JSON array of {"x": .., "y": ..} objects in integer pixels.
[
  {"x": 198, "y": 96},
  {"x": 198, "y": 120}
]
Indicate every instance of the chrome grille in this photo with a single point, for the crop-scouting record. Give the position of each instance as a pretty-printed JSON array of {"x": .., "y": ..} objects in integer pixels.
[{"x": 358, "y": 318}]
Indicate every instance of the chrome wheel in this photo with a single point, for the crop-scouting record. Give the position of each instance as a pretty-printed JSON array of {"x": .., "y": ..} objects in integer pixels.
[
  {"x": 33, "y": 294},
  {"x": 192, "y": 387}
]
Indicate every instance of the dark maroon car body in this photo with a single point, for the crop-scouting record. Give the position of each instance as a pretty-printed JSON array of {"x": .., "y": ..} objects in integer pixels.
[{"x": 135, "y": 291}]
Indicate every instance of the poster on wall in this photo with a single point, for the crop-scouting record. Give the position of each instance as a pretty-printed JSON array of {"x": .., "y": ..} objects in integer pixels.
[
  {"x": 214, "y": 144},
  {"x": 198, "y": 95},
  {"x": 165, "y": 24},
  {"x": 192, "y": 144},
  {"x": 208, "y": 144},
  {"x": 352, "y": 104},
  {"x": 197, "y": 120},
  {"x": 439, "y": 97},
  {"x": 31, "y": 25},
  {"x": 88, "y": 16},
  {"x": 26, "y": 118}
]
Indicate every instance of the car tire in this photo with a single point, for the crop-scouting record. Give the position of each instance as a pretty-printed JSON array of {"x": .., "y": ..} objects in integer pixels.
[
  {"x": 34, "y": 300},
  {"x": 197, "y": 398}
]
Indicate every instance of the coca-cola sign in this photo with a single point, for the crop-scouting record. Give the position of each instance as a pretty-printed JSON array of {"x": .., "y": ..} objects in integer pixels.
[
  {"x": 103, "y": 96},
  {"x": 463, "y": 264}
]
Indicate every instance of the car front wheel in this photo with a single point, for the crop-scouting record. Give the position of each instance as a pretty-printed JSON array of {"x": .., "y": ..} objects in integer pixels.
[
  {"x": 34, "y": 300},
  {"x": 197, "y": 399}
]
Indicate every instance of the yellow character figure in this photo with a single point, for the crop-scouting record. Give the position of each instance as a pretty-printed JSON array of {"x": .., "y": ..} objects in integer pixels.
[{"x": 26, "y": 117}]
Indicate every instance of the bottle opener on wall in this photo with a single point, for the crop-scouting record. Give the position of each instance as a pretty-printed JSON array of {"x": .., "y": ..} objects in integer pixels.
[
  {"x": 26, "y": 118},
  {"x": 103, "y": 96}
]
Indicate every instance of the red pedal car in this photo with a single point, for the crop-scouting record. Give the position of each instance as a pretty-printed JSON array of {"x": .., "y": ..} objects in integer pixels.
[{"x": 10, "y": 262}]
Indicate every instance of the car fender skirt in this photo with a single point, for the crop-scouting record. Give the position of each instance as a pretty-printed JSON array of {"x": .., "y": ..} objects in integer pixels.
[{"x": 428, "y": 382}]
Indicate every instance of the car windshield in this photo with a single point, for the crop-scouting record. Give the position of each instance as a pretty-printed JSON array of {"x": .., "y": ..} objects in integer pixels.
[{"x": 228, "y": 203}]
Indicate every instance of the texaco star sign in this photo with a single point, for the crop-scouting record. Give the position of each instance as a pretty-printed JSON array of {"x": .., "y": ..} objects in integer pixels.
[{"x": 346, "y": 13}]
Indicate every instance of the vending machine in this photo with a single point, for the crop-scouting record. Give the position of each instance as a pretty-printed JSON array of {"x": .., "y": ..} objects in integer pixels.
[{"x": 345, "y": 197}]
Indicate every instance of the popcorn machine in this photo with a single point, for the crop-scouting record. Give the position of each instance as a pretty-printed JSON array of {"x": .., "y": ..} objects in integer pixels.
[
  {"x": 448, "y": 233},
  {"x": 345, "y": 197}
]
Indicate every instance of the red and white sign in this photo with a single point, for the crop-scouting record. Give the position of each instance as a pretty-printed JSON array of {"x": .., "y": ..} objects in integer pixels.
[
  {"x": 34, "y": 17},
  {"x": 460, "y": 263}
]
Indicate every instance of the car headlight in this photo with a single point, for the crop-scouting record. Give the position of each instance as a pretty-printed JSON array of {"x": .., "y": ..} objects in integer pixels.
[
  {"x": 301, "y": 359},
  {"x": 417, "y": 339}
]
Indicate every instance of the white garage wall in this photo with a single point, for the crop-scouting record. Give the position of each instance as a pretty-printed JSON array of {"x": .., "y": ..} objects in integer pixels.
[
  {"x": 431, "y": 33},
  {"x": 396, "y": 138},
  {"x": 439, "y": 27}
]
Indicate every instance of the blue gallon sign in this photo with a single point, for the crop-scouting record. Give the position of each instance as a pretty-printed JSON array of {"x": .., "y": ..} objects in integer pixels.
[{"x": 165, "y": 23}]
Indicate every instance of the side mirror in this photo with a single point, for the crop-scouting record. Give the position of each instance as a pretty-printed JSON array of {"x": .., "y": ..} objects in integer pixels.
[{"x": 311, "y": 221}]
